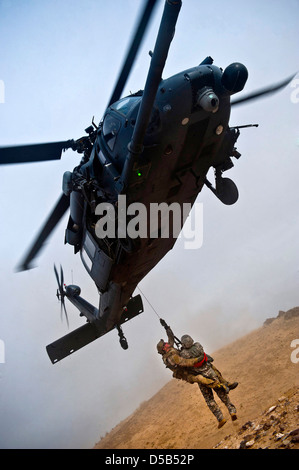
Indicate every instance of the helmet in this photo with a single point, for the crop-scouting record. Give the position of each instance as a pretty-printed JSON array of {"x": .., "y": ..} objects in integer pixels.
[
  {"x": 186, "y": 341},
  {"x": 160, "y": 346},
  {"x": 163, "y": 347}
]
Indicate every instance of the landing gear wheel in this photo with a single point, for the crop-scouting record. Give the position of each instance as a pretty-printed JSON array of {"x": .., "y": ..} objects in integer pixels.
[
  {"x": 122, "y": 339},
  {"x": 124, "y": 343}
]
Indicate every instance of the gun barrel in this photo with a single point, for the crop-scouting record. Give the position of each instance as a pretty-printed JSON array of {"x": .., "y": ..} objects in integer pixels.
[{"x": 246, "y": 125}]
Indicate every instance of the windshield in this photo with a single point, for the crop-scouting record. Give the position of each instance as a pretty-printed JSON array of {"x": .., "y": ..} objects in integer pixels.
[
  {"x": 111, "y": 126},
  {"x": 126, "y": 104}
]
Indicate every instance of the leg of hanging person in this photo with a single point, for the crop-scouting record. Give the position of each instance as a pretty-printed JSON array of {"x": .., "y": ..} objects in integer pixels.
[
  {"x": 199, "y": 379},
  {"x": 225, "y": 399},
  {"x": 220, "y": 376},
  {"x": 210, "y": 401}
]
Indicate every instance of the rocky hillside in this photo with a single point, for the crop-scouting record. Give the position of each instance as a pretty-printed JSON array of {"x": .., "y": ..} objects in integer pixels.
[
  {"x": 276, "y": 428},
  {"x": 266, "y": 399}
]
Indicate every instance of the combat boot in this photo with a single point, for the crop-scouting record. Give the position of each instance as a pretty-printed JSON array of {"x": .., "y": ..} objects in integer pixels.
[
  {"x": 221, "y": 423},
  {"x": 233, "y": 385}
]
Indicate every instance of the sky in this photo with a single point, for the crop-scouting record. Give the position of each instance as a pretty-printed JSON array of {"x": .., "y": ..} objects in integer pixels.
[{"x": 58, "y": 63}]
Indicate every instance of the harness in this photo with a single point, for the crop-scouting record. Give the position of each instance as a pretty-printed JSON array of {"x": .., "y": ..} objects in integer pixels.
[
  {"x": 202, "y": 362},
  {"x": 170, "y": 351}
]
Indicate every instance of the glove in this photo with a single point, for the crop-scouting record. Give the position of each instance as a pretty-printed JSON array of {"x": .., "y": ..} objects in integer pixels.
[{"x": 163, "y": 323}]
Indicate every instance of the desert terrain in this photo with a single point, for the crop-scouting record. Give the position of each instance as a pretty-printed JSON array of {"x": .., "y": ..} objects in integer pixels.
[{"x": 266, "y": 367}]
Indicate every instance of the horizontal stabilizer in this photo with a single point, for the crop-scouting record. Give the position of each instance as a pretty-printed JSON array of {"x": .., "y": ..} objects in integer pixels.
[
  {"x": 87, "y": 333},
  {"x": 134, "y": 308},
  {"x": 71, "y": 342}
]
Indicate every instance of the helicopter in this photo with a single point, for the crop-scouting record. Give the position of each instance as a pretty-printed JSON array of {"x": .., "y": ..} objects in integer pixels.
[{"x": 156, "y": 145}]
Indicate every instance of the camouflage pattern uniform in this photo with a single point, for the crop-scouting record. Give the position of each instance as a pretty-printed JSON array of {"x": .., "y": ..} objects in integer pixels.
[
  {"x": 179, "y": 365},
  {"x": 209, "y": 371}
]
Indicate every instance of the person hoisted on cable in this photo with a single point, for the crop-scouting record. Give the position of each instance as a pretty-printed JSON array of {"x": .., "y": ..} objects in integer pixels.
[
  {"x": 182, "y": 368},
  {"x": 200, "y": 371}
]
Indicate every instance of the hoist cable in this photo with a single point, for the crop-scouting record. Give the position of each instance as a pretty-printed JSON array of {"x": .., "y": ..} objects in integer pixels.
[
  {"x": 177, "y": 341},
  {"x": 149, "y": 302}
]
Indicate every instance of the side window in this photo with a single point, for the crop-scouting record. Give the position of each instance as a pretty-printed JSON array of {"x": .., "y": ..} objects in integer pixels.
[{"x": 111, "y": 126}]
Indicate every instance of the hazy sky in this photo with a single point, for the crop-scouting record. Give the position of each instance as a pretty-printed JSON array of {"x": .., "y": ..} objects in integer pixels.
[{"x": 58, "y": 62}]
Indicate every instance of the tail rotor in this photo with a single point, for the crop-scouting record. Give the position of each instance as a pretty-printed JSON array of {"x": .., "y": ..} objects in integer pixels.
[{"x": 61, "y": 293}]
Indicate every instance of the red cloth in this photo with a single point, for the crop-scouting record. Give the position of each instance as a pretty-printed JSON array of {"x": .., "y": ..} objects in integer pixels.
[{"x": 201, "y": 363}]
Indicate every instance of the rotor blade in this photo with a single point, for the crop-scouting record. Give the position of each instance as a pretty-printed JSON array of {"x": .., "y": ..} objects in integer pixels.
[
  {"x": 61, "y": 316},
  {"x": 133, "y": 49},
  {"x": 65, "y": 312},
  {"x": 33, "y": 152},
  {"x": 265, "y": 91},
  {"x": 57, "y": 277},
  {"x": 58, "y": 212},
  {"x": 61, "y": 277},
  {"x": 62, "y": 293}
]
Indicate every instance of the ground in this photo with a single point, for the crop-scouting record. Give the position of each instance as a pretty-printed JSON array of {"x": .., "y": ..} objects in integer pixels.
[{"x": 177, "y": 417}]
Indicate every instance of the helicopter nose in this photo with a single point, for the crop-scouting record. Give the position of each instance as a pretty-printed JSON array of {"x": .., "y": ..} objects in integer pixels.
[
  {"x": 208, "y": 100},
  {"x": 234, "y": 77}
]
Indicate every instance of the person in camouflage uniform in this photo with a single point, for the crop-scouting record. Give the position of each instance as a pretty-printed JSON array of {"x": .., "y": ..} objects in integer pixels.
[
  {"x": 205, "y": 367},
  {"x": 184, "y": 368}
]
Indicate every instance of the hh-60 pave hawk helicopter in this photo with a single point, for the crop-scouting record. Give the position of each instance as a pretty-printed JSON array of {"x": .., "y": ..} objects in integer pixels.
[{"x": 154, "y": 146}]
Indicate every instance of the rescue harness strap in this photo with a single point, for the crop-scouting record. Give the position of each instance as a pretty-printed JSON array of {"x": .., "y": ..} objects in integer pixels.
[{"x": 201, "y": 363}]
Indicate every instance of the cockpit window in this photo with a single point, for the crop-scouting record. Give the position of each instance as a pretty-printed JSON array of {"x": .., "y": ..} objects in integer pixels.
[
  {"x": 126, "y": 104},
  {"x": 111, "y": 126}
]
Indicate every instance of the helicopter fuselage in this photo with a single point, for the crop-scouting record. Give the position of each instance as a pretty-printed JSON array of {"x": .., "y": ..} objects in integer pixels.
[
  {"x": 185, "y": 136},
  {"x": 152, "y": 149}
]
